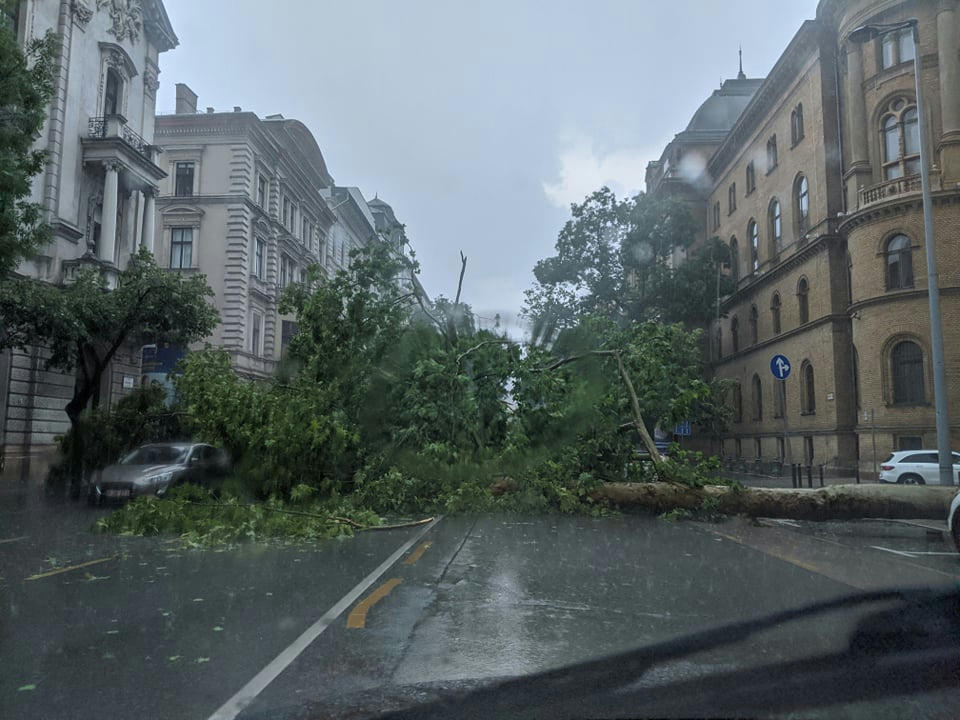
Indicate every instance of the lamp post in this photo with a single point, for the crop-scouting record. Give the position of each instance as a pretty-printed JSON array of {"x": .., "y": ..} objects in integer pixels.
[{"x": 860, "y": 35}]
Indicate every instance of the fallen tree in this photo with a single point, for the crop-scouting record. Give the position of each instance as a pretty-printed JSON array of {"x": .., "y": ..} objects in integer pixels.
[{"x": 838, "y": 502}]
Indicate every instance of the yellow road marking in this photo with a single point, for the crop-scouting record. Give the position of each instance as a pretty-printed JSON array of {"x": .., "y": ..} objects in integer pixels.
[
  {"x": 417, "y": 554},
  {"x": 71, "y": 567},
  {"x": 358, "y": 616}
]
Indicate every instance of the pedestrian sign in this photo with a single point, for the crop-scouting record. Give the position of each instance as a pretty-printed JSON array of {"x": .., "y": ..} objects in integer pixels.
[{"x": 780, "y": 367}]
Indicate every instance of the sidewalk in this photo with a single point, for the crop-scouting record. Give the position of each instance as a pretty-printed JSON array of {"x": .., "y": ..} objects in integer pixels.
[{"x": 772, "y": 481}]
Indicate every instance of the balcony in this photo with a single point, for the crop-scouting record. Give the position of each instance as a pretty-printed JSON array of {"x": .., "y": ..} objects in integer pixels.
[
  {"x": 109, "y": 138},
  {"x": 894, "y": 189}
]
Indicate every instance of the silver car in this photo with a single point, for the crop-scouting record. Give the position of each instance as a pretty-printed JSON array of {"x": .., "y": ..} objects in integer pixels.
[{"x": 153, "y": 469}]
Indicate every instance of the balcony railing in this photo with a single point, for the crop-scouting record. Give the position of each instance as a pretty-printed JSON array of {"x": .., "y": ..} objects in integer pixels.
[
  {"x": 112, "y": 126},
  {"x": 889, "y": 190}
]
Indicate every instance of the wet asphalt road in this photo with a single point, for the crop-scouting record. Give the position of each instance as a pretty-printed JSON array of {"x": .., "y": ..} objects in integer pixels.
[{"x": 144, "y": 629}]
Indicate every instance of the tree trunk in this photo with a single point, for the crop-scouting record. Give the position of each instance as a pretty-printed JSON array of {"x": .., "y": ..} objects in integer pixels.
[{"x": 838, "y": 502}]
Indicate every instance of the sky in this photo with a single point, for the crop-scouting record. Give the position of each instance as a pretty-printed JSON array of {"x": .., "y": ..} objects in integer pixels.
[{"x": 479, "y": 122}]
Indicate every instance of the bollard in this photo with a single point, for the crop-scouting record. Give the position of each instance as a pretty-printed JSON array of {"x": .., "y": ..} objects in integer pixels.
[
  {"x": 810, "y": 475},
  {"x": 857, "y": 473},
  {"x": 821, "y": 476}
]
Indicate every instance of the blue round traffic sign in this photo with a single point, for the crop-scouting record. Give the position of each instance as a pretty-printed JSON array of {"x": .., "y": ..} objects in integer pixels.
[{"x": 780, "y": 367}]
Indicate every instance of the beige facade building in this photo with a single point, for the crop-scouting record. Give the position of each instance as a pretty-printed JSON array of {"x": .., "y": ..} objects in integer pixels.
[
  {"x": 98, "y": 187},
  {"x": 815, "y": 188}
]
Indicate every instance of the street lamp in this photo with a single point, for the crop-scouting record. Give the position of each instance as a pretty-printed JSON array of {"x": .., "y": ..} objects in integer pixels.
[{"x": 860, "y": 35}]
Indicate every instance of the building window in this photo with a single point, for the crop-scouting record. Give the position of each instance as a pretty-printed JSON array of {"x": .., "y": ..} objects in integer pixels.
[
  {"x": 900, "y": 138},
  {"x": 305, "y": 237},
  {"x": 775, "y": 217},
  {"x": 12, "y": 12},
  {"x": 716, "y": 215},
  {"x": 796, "y": 124},
  {"x": 256, "y": 333},
  {"x": 259, "y": 258},
  {"x": 757, "y": 398},
  {"x": 288, "y": 329},
  {"x": 909, "y": 442},
  {"x": 286, "y": 270},
  {"x": 287, "y": 214},
  {"x": 781, "y": 454},
  {"x": 737, "y": 404},
  {"x": 899, "y": 263},
  {"x": 906, "y": 359},
  {"x": 181, "y": 248},
  {"x": 771, "y": 154},
  {"x": 262, "y": 191},
  {"x": 732, "y": 199},
  {"x": 753, "y": 232},
  {"x": 751, "y": 177},
  {"x": 112, "y": 93},
  {"x": 734, "y": 260},
  {"x": 896, "y": 47},
  {"x": 808, "y": 392},
  {"x": 803, "y": 301},
  {"x": 735, "y": 333},
  {"x": 801, "y": 203},
  {"x": 754, "y": 323},
  {"x": 808, "y": 449},
  {"x": 303, "y": 276},
  {"x": 775, "y": 312},
  {"x": 757, "y": 446},
  {"x": 183, "y": 183},
  {"x": 739, "y": 447}
]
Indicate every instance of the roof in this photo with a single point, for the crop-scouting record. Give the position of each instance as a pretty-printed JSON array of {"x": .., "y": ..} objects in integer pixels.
[{"x": 721, "y": 110}]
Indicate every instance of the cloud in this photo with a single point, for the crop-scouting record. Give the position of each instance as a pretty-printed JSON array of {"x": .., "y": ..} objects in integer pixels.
[{"x": 584, "y": 169}]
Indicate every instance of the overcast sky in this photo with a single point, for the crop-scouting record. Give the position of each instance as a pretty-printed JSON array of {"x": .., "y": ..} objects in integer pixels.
[{"x": 479, "y": 122}]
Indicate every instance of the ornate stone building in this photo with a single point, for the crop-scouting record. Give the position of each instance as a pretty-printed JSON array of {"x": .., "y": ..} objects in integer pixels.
[
  {"x": 98, "y": 187},
  {"x": 815, "y": 188}
]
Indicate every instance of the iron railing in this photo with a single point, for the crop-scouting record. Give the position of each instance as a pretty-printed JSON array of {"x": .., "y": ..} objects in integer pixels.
[{"x": 98, "y": 129}]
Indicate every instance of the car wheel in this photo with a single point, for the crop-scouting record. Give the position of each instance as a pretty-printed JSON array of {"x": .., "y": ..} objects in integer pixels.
[
  {"x": 955, "y": 527},
  {"x": 910, "y": 479}
]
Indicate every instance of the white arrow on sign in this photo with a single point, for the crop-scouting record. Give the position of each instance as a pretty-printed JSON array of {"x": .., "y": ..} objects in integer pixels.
[{"x": 782, "y": 367}]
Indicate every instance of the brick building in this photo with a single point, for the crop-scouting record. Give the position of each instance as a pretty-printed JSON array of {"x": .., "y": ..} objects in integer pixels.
[{"x": 815, "y": 187}]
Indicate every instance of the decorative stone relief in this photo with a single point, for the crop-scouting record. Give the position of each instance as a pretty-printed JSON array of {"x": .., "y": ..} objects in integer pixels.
[
  {"x": 151, "y": 81},
  {"x": 82, "y": 13},
  {"x": 126, "y": 16}
]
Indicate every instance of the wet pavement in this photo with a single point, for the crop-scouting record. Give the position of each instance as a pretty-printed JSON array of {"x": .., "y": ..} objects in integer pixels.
[{"x": 94, "y": 626}]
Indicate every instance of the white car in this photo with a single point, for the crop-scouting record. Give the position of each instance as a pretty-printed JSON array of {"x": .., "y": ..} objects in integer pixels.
[
  {"x": 953, "y": 521},
  {"x": 920, "y": 467}
]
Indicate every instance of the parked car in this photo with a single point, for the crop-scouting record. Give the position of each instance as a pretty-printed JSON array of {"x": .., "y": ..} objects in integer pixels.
[
  {"x": 953, "y": 521},
  {"x": 920, "y": 467},
  {"x": 155, "y": 468}
]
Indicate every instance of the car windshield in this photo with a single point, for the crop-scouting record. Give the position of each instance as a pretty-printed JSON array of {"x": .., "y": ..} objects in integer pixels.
[
  {"x": 157, "y": 455},
  {"x": 354, "y": 354}
]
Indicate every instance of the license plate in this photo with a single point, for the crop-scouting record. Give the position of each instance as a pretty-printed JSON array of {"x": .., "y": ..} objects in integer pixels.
[{"x": 116, "y": 493}]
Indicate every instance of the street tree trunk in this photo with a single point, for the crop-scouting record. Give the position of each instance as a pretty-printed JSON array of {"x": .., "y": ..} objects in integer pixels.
[{"x": 838, "y": 502}]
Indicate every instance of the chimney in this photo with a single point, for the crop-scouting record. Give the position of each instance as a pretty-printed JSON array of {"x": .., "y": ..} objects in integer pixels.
[
  {"x": 209, "y": 111},
  {"x": 186, "y": 100},
  {"x": 237, "y": 108}
]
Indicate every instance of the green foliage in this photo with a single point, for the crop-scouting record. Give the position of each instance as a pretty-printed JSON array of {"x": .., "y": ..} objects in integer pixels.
[
  {"x": 200, "y": 520},
  {"x": 26, "y": 86},
  {"x": 138, "y": 418},
  {"x": 686, "y": 467}
]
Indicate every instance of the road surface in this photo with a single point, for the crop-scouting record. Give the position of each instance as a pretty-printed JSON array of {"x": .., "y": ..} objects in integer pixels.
[{"x": 95, "y": 627}]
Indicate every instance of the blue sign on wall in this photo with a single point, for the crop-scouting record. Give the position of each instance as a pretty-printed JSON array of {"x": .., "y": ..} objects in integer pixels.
[
  {"x": 683, "y": 429},
  {"x": 780, "y": 367}
]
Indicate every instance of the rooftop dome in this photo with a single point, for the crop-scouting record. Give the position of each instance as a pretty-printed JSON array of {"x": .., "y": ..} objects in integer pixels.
[{"x": 721, "y": 110}]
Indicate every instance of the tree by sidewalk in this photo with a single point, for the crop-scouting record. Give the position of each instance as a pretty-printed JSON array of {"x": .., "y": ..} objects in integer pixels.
[
  {"x": 84, "y": 325},
  {"x": 26, "y": 86}
]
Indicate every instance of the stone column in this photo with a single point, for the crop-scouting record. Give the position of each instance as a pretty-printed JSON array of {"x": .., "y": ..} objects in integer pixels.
[
  {"x": 108, "y": 226},
  {"x": 948, "y": 60},
  {"x": 129, "y": 236},
  {"x": 858, "y": 172},
  {"x": 149, "y": 219}
]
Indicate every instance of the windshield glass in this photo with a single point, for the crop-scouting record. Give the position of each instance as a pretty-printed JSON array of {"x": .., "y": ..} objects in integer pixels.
[
  {"x": 157, "y": 455},
  {"x": 358, "y": 353}
]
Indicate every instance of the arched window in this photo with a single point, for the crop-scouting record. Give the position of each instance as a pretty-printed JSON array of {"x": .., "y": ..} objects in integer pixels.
[
  {"x": 112, "y": 93},
  {"x": 737, "y": 403},
  {"x": 796, "y": 124},
  {"x": 900, "y": 138},
  {"x": 775, "y": 312},
  {"x": 735, "y": 333},
  {"x": 754, "y": 234},
  {"x": 775, "y": 217},
  {"x": 757, "y": 398},
  {"x": 751, "y": 177},
  {"x": 754, "y": 322},
  {"x": 801, "y": 204},
  {"x": 906, "y": 360},
  {"x": 808, "y": 392},
  {"x": 803, "y": 301},
  {"x": 734, "y": 260},
  {"x": 899, "y": 263}
]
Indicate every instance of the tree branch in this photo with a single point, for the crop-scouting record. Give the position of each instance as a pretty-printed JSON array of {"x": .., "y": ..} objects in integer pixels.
[
  {"x": 462, "y": 355},
  {"x": 463, "y": 269},
  {"x": 573, "y": 358},
  {"x": 637, "y": 416}
]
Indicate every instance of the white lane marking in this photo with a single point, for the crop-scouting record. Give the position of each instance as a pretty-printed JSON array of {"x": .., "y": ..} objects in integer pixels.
[
  {"x": 232, "y": 707},
  {"x": 13, "y": 540},
  {"x": 930, "y": 552},
  {"x": 895, "y": 552}
]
